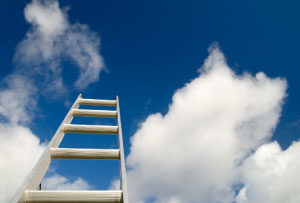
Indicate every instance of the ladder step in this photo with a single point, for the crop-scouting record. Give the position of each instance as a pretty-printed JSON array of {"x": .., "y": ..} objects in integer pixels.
[
  {"x": 98, "y": 129},
  {"x": 71, "y": 153},
  {"x": 94, "y": 113},
  {"x": 97, "y": 102},
  {"x": 51, "y": 196}
]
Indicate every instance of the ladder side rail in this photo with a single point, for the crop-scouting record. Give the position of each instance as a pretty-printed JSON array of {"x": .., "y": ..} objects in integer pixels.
[
  {"x": 123, "y": 178},
  {"x": 33, "y": 180}
]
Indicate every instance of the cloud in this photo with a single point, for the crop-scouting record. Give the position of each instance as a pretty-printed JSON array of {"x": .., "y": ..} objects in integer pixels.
[
  {"x": 272, "y": 175},
  {"x": 19, "y": 151},
  {"x": 38, "y": 14},
  {"x": 17, "y": 99},
  {"x": 194, "y": 152},
  {"x": 51, "y": 40},
  {"x": 115, "y": 184},
  {"x": 58, "y": 182}
]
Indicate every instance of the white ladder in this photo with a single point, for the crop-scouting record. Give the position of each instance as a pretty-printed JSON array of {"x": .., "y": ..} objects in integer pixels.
[{"x": 29, "y": 192}]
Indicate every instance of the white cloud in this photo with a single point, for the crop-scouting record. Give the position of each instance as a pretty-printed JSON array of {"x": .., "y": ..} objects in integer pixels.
[
  {"x": 53, "y": 39},
  {"x": 272, "y": 175},
  {"x": 17, "y": 99},
  {"x": 58, "y": 182},
  {"x": 46, "y": 17},
  {"x": 19, "y": 151},
  {"x": 115, "y": 184},
  {"x": 193, "y": 153}
]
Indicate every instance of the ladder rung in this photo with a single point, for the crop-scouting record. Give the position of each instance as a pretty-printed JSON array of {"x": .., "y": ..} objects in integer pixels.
[
  {"x": 47, "y": 196},
  {"x": 99, "y": 129},
  {"x": 94, "y": 113},
  {"x": 70, "y": 153},
  {"x": 97, "y": 102}
]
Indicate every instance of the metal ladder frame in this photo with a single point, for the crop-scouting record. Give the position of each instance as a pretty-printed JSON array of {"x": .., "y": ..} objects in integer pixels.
[{"x": 30, "y": 187}]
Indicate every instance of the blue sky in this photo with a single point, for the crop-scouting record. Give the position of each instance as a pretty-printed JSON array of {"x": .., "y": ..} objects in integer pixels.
[{"x": 151, "y": 49}]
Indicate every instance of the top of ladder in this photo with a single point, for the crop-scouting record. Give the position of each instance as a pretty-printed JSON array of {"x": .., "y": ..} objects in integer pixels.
[{"x": 97, "y": 102}]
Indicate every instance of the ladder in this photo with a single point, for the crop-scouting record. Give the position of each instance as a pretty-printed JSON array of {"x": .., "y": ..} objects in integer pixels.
[{"x": 30, "y": 192}]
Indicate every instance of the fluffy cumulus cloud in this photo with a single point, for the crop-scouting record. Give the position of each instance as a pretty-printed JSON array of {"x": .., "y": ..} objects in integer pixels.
[
  {"x": 51, "y": 40},
  {"x": 19, "y": 149},
  {"x": 272, "y": 175},
  {"x": 195, "y": 152}
]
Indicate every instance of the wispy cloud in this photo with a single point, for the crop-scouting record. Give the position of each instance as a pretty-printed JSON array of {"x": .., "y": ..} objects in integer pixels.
[
  {"x": 58, "y": 182},
  {"x": 213, "y": 124},
  {"x": 17, "y": 99},
  {"x": 52, "y": 39}
]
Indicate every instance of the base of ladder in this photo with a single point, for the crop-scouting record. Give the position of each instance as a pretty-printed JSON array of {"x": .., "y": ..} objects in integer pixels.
[{"x": 51, "y": 196}]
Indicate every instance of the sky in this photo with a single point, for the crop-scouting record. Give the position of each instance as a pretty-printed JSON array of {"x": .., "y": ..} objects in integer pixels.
[{"x": 208, "y": 96}]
